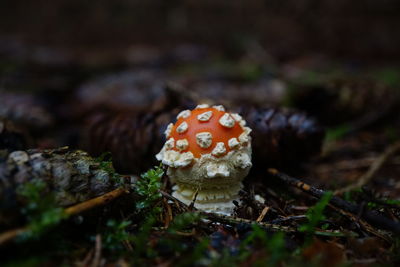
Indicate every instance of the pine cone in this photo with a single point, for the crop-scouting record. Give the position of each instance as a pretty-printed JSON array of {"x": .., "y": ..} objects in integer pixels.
[
  {"x": 133, "y": 138},
  {"x": 133, "y": 134},
  {"x": 129, "y": 90},
  {"x": 73, "y": 176},
  {"x": 282, "y": 138},
  {"x": 343, "y": 100},
  {"x": 25, "y": 110}
]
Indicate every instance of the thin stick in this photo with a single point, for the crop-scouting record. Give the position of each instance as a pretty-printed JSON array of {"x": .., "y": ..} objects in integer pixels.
[
  {"x": 262, "y": 214},
  {"x": 271, "y": 226},
  {"x": 85, "y": 261},
  {"x": 374, "y": 218},
  {"x": 168, "y": 214},
  {"x": 289, "y": 218},
  {"x": 94, "y": 202},
  {"x": 235, "y": 220},
  {"x": 363, "y": 224},
  {"x": 375, "y": 167},
  {"x": 97, "y": 252},
  {"x": 76, "y": 209},
  {"x": 6, "y": 236}
]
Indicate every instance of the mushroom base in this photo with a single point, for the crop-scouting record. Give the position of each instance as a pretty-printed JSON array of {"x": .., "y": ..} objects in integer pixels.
[{"x": 218, "y": 200}]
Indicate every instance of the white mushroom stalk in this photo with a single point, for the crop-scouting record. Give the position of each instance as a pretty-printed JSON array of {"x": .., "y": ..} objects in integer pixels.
[{"x": 208, "y": 154}]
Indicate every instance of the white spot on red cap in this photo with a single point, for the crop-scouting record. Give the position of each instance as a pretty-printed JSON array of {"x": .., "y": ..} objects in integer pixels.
[
  {"x": 168, "y": 130},
  {"x": 219, "y": 149},
  {"x": 204, "y": 139},
  {"x": 185, "y": 159},
  {"x": 227, "y": 121},
  {"x": 202, "y": 106},
  {"x": 233, "y": 143},
  {"x": 170, "y": 144},
  {"x": 244, "y": 138},
  {"x": 182, "y": 127},
  {"x": 169, "y": 157},
  {"x": 219, "y": 107},
  {"x": 239, "y": 119},
  {"x": 182, "y": 144},
  {"x": 184, "y": 114},
  {"x": 205, "y": 116},
  {"x": 175, "y": 159}
]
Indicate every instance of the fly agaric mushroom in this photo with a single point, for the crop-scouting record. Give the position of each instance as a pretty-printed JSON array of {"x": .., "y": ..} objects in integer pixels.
[{"x": 208, "y": 153}]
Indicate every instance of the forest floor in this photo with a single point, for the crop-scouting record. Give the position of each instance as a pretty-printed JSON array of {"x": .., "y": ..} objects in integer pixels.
[{"x": 324, "y": 189}]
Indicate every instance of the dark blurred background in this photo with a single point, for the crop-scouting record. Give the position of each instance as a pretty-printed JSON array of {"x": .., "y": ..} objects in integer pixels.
[
  {"x": 359, "y": 30},
  {"x": 99, "y": 75}
]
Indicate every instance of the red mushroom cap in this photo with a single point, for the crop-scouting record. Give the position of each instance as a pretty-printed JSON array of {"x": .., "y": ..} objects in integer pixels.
[{"x": 205, "y": 120}]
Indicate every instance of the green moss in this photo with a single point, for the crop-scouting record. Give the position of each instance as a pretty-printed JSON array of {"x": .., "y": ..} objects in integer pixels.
[
  {"x": 389, "y": 76},
  {"x": 336, "y": 133},
  {"x": 115, "y": 234},
  {"x": 392, "y": 202},
  {"x": 40, "y": 210},
  {"x": 316, "y": 214},
  {"x": 26, "y": 262},
  {"x": 105, "y": 164},
  {"x": 140, "y": 241},
  {"x": 184, "y": 220},
  {"x": 148, "y": 188}
]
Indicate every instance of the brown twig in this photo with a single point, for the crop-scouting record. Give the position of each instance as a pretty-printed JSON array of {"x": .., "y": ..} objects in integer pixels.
[
  {"x": 94, "y": 202},
  {"x": 262, "y": 214},
  {"x": 375, "y": 167},
  {"x": 73, "y": 210},
  {"x": 168, "y": 214},
  {"x": 374, "y": 218},
  {"x": 290, "y": 218},
  {"x": 97, "y": 252},
  {"x": 177, "y": 202},
  {"x": 269, "y": 226},
  {"x": 6, "y": 236},
  {"x": 363, "y": 224},
  {"x": 85, "y": 261},
  {"x": 191, "y": 233}
]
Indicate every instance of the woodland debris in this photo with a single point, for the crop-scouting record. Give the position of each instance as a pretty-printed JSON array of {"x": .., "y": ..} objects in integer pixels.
[
  {"x": 375, "y": 218},
  {"x": 373, "y": 169},
  {"x": 232, "y": 220},
  {"x": 72, "y": 176},
  {"x": 73, "y": 210},
  {"x": 283, "y": 137}
]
